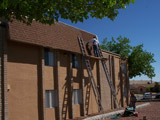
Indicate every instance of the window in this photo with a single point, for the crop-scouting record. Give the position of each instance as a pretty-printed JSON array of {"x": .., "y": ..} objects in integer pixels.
[
  {"x": 77, "y": 94},
  {"x": 123, "y": 68},
  {"x": 75, "y": 61},
  {"x": 48, "y": 57},
  {"x": 51, "y": 98}
]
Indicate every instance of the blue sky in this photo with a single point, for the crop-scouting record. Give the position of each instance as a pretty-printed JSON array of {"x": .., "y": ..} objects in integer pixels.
[{"x": 140, "y": 22}]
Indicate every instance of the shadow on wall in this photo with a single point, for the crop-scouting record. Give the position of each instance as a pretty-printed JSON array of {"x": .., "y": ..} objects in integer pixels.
[
  {"x": 65, "y": 104},
  {"x": 25, "y": 55},
  {"x": 68, "y": 90},
  {"x": 119, "y": 87},
  {"x": 30, "y": 54},
  {"x": 88, "y": 86},
  {"x": 22, "y": 53}
]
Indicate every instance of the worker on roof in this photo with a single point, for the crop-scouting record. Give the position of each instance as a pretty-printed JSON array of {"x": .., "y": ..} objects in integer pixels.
[{"x": 94, "y": 41}]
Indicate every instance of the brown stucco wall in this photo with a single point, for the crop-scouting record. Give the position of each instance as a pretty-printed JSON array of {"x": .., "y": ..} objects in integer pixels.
[
  {"x": 23, "y": 80},
  {"x": 23, "y": 72},
  {"x": 117, "y": 80},
  {"x": 92, "y": 102},
  {"x": 125, "y": 84},
  {"x": 49, "y": 82},
  {"x": 63, "y": 76},
  {"x": 120, "y": 81},
  {"x": 105, "y": 89},
  {"x": 76, "y": 77}
]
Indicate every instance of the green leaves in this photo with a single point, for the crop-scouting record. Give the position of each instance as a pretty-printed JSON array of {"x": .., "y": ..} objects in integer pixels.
[
  {"x": 139, "y": 60},
  {"x": 120, "y": 46},
  {"x": 4, "y": 4},
  {"x": 74, "y": 10}
]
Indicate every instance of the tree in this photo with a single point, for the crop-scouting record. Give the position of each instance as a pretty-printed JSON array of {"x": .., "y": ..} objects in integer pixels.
[
  {"x": 139, "y": 60},
  {"x": 47, "y": 11},
  {"x": 156, "y": 87},
  {"x": 148, "y": 89},
  {"x": 121, "y": 46}
]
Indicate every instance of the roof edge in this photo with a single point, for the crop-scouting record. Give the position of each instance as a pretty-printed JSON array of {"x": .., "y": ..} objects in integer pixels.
[
  {"x": 65, "y": 24},
  {"x": 111, "y": 52}
]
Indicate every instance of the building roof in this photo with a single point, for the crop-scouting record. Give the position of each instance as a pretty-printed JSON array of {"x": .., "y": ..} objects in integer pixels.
[
  {"x": 140, "y": 82},
  {"x": 57, "y": 36},
  {"x": 141, "y": 85},
  {"x": 62, "y": 23}
]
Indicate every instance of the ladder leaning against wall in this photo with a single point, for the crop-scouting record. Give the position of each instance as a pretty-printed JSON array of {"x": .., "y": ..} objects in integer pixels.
[
  {"x": 90, "y": 74},
  {"x": 108, "y": 76},
  {"x": 89, "y": 70}
]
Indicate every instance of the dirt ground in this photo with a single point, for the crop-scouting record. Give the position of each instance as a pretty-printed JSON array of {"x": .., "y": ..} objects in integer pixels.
[{"x": 151, "y": 112}]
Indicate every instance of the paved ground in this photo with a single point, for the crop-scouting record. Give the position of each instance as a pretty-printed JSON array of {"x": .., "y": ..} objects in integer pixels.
[{"x": 151, "y": 112}]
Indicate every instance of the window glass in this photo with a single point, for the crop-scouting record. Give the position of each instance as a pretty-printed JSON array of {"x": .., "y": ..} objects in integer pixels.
[
  {"x": 54, "y": 98},
  {"x": 77, "y": 94},
  {"x": 47, "y": 99},
  {"x": 51, "y": 58},
  {"x": 51, "y": 98},
  {"x": 48, "y": 57},
  {"x": 75, "y": 63},
  {"x": 123, "y": 68}
]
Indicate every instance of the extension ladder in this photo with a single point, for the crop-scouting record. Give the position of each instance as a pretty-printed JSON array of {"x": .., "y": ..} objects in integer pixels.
[
  {"x": 90, "y": 74},
  {"x": 108, "y": 76}
]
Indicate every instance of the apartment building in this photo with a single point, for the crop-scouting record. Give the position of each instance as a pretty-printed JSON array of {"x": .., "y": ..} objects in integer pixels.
[{"x": 43, "y": 74}]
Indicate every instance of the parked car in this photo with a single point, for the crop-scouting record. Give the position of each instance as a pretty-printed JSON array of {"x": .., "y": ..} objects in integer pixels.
[
  {"x": 147, "y": 95},
  {"x": 158, "y": 95}
]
